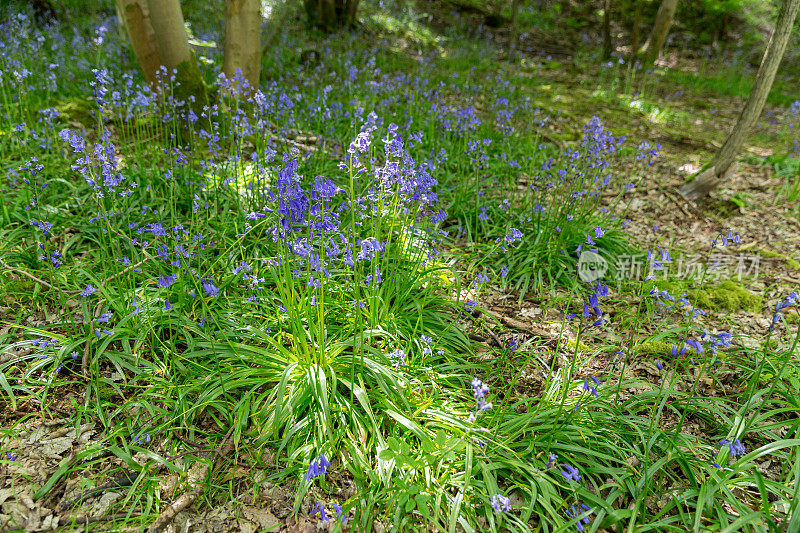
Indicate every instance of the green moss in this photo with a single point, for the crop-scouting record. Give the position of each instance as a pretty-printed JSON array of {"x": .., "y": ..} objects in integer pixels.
[
  {"x": 189, "y": 82},
  {"x": 770, "y": 344},
  {"x": 106, "y": 392},
  {"x": 77, "y": 110},
  {"x": 728, "y": 295},
  {"x": 582, "y": 348},
  {"x": 652, "y": 348},
  {"x": 791, "y": 263}
]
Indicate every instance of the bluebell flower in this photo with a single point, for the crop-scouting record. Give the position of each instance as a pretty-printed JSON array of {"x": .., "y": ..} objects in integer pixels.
[
  {"x": 166, "y": 281},
  {"x": 339, "y": 513},
  {"x": 400, "y": 355},
  {"x": 570, "y": 472},
  {"x": 210, "y": 289},
  {"x": 88, "y": 291},
  {"x": 551, "y": 461},
  {"x": 317, "y": 467},
  {"x": 574, "y": 513},
  {"x": 142, "y": 438},
  {"x": 734, "y": 446},
  {"x": 319, "y": 508},
  {"x": 501, "y": 503}
]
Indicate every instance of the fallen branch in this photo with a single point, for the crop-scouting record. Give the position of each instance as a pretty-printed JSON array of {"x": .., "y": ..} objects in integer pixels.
[
  {"x": 521, "y": 326},
  {"x": 197, "y": 474},
  {"x": 122, "y": 481},
  {"x": 34, "y": 278},
  {"x": 83, "y": 520},
  {"x": 532, "y": 330}
]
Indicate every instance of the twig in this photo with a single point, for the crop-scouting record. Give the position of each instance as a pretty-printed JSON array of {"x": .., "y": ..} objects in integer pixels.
[
  {"x": 127, "y": 269},
  {"x": 496, "y": 340},
  {"x": 197, "y": 474},
  {"x": 122, "y": 481},
  {"x": 531, "y": 330},
  {"x": 83, "y": 520},
  {"x": 677, "y": 202},
  {"x": 34, "y": 278},
  {"x": 187, "y": 452},
  {"x": 6, "y": 357},
  {"x": 521, "y": 326}
]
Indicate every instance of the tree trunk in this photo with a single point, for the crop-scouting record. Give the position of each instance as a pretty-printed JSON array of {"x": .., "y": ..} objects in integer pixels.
[
  {"x": 243, "y": 40},
  {"x": 172, "y": 42},
  {"x": 331, "y": 15},
  {"x": 135, "y": 18},
  {"x": 349, "y": 12},
  {"x": 512, "y": 41},
  {"x": 637, "y": 22},
  {"x": 652, "y": 48},
  {"x": 720, "y": 167},
  {"x": 608, "y": 44}
]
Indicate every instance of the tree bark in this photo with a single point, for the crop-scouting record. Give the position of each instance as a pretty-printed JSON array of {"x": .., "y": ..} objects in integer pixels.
[
  {"x": 637, "y": 22},
  {"x": 349, "y": 12},
  {"x": 243, "y": 40},
  {"x": 331, "y": 15},
  {"x": 608, "y": 44},
  {"x": 171, "y": 38},
  {"x": 135, "y": 17},
  {"x": 172, "y": 42},
  {"x": 655, "y": 43},
  {"x": 720, "y": 167}
]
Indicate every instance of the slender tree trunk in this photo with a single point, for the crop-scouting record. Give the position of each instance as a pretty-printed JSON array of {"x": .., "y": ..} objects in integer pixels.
[
  {"x": 722, "y": 164},
  {"x": 655, "y": 43},
  {"x": 637, "y": 22},
  {"x": 171, "y": 38},
  {"x": 349, "y": 12},
  {"x": 135, "y": 18},
  {"x": 608, "y": 44},
  {"x": 172, "y": 42},
  {"x": 512, "y": 41},
  {"x": 331, "y": 15},
  {"x": 243, "y": 40}
]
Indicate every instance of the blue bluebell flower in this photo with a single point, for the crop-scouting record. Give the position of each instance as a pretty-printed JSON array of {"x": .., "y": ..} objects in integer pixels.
[
  {"x": 317, "y": 467},
  {"x": 501, "y": 503}
]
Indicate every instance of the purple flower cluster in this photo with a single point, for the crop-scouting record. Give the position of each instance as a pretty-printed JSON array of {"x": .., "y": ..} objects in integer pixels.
[{"x": 318, "y": 467}]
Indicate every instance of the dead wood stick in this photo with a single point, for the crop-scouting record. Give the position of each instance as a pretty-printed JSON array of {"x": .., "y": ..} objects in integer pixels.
[
  {"x": 197, "y": 474},
  {"x": 532, "y": 330},
  {"x": 123, "y": 481},
  {"x": 6, "y": 357},
  {"x": 521, "y": 326},
  {"x": 34, "y": 278},
  {"x": 83, "y": 520}
]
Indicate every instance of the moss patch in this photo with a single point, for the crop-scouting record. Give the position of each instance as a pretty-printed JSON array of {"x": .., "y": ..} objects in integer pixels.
[
  {"x": 791, "y": 263},
  {"x": 728, "y": 295},
  {"x": 652, "y": 348},
  {"x": 77, "y": 110},
  {"x": 189, "y": 83}
]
